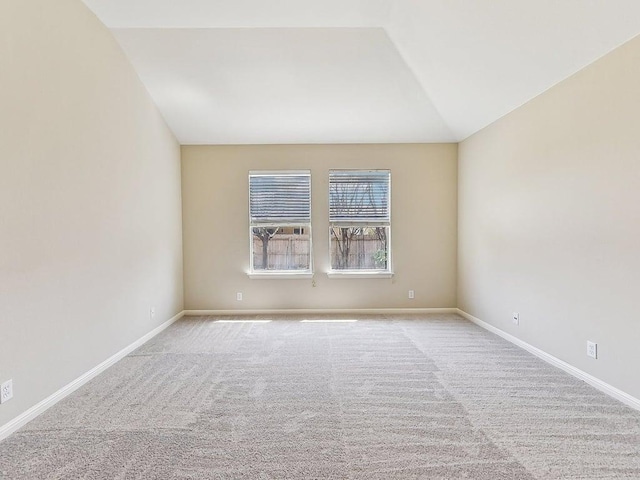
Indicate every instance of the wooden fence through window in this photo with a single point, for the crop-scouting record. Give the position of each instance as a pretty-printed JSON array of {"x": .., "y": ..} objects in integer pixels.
[{"x": 291, "y": 252}]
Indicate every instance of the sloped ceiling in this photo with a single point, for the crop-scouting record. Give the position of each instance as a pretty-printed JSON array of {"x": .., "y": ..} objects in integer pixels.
[{"x": 356, "y": 71}]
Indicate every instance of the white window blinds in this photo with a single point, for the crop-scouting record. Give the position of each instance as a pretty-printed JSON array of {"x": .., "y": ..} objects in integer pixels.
[
  {"x": 280, "y": 197},
  {"x": 359, "y": 196}
]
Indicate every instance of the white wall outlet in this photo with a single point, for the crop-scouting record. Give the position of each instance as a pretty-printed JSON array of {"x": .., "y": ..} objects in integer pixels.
[
  {"x": 412, "y": 294},
  {"x": 592, "y": 349},
  {"x": 239, "y": 296},
  {"x": 515, "y": 318},
  {"x": 6, "y": 391},
  {"x": 152, "y": 312}
]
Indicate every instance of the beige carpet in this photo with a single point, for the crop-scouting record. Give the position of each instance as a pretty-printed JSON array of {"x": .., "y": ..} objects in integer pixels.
[{"x": 430, "y": 396}]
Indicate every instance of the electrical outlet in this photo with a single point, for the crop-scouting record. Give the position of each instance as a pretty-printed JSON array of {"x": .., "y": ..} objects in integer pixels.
[
  {"x": 412, "y": 294},
  {"x": 592, "y": 349},
  {"x": 6, "y": 391},
  {"x": 152, "y": 312},
  {"x": 515, "y": 318},
  {"x": 239, "y": 296}
]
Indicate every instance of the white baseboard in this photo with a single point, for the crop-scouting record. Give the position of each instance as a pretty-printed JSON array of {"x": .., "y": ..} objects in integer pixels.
[
  {"x": 33, "y": 412},
  {"x": 556, "y": 362},
  {"x": 320, "y": 311}
]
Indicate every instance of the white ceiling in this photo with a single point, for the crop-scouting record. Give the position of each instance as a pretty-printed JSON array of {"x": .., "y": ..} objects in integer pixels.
[
  {"x": 274, "y": 85},
  {"x": 356, "y": 71},
  {"x": 241, "y": 13}
]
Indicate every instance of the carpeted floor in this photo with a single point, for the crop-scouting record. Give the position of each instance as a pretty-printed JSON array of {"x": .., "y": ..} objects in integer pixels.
[{"x": 430, "y": 396}]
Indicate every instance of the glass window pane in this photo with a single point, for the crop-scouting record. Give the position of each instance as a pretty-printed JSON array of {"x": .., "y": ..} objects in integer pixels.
[
  {"x": 359, "y": 196},
  {"x": 281, "y": 248},
  {"x": 359, "y": 248}
]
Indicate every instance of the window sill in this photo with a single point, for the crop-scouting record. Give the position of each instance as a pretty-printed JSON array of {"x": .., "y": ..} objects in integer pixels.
[
  {"x": 352, "y": 274},
  {"x": 280, "y": 275}
]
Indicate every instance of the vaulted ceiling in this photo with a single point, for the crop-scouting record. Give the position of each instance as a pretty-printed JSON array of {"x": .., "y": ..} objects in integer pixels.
[{"x": 355, "y": 71}]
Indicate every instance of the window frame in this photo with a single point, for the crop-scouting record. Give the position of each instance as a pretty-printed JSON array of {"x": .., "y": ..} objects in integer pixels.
[
  {"x": 293, "y": 273},
  {"x": 361, "y": 273}
]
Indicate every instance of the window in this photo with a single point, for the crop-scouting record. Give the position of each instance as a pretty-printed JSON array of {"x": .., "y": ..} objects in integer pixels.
[
  {"x": 280, "y": 221},
  {"x": 360, "y": 220}
]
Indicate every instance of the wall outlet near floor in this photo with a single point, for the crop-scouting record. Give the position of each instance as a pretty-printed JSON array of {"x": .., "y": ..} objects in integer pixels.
[
  {"x": 412, "y": 294},
  {"x": 592, "y": 349},
  {"x": 239, "y": 296},
  {"x": 515, "y": 318},
  {"x": 6, "y": 391}
]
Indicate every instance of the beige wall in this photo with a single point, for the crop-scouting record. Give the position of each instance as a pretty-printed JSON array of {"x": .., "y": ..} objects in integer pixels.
[
  {"x": 549, "y": 220},
  {"x": 90, "y": 217},
  {"x": 216, "y": 228}
]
